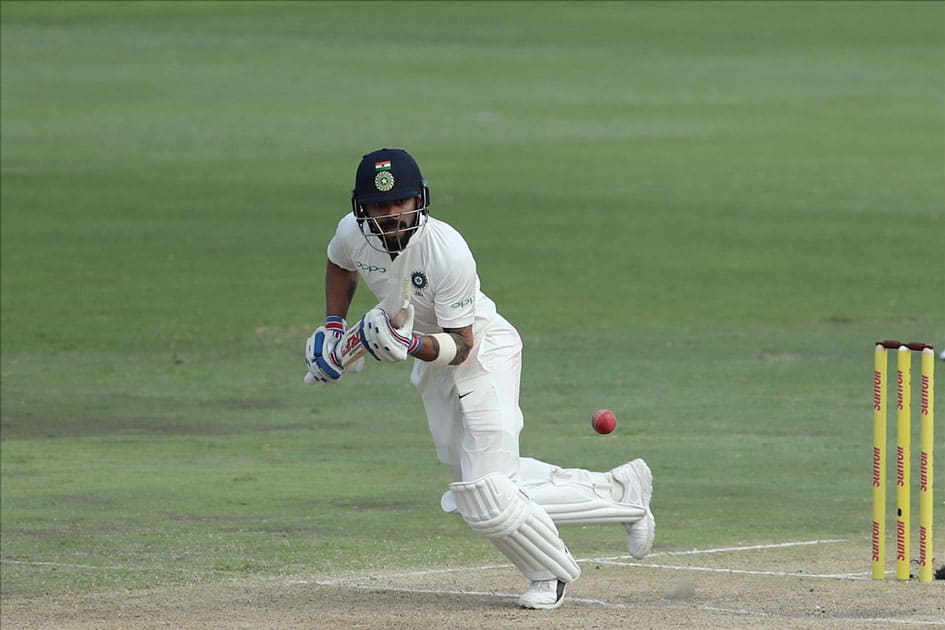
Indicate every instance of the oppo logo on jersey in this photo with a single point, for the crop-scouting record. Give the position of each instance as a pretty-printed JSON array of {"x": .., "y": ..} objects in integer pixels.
[
  {"x": 371, "y": 268},
  {"x": 462, "y": 303}
]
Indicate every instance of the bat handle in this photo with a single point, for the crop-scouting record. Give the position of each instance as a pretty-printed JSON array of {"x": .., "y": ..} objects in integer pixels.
[{"x": 401, "y": 316}]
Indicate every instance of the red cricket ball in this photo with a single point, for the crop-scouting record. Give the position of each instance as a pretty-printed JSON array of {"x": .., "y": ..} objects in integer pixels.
[{"x": 604, "y": 421}]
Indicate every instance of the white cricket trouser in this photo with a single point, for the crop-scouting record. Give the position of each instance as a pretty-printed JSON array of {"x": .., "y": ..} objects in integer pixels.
[{"x": 472, "y": 409}]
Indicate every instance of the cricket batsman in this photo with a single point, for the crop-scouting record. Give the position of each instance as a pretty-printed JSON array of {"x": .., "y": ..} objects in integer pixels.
[{"x": 467, "y": 362}]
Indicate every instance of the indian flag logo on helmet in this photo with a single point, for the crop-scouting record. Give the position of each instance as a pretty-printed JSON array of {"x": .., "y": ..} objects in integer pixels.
[{"x": 382, "y": 166}]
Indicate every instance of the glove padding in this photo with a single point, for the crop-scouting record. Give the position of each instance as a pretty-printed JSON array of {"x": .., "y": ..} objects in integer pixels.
[
  {"x": 383, "y": 340},
  {"x": 323, "y": 365}
]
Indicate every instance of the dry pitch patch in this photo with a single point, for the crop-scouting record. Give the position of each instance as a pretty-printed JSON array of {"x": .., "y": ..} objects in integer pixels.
[{"x": 813, "y": 585}]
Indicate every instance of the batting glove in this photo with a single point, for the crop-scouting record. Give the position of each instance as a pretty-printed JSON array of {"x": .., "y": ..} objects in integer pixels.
[
  {"x": 383, "y": 340},
  {"x": 323, "y": 365}
]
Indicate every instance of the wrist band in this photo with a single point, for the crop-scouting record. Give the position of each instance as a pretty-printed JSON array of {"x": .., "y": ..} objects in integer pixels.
[
  {"x": 335, "y": 324},
  {"x": 447, "y": 349},
  {"x": 416, "y": 342}
]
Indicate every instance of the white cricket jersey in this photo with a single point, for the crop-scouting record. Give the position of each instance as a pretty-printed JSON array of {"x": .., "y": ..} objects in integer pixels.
[{"x": 445, "y": 285}]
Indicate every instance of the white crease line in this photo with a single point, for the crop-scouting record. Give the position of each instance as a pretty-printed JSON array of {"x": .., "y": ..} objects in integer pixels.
[
  {"x": 627, "y": 561},
  {"x": 697, "y": 552},
  {"x": 833, "y": 576},
  {"x": 797, "y": 543}
]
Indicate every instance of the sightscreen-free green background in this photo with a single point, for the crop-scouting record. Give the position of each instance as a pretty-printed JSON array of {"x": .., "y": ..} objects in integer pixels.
[{"x": 700, "y": 215}]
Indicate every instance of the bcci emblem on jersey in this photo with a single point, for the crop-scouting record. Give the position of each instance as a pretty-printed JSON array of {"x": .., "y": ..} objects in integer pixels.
[{"x": 419, "y": 281}]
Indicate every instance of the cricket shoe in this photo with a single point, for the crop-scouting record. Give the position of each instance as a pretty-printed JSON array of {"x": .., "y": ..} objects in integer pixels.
[
  {"x": 543, "y": 595},
  {"x": 637, "y": 482}
]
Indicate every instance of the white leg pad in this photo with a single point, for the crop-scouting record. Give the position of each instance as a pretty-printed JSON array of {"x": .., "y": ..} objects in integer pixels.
[
  {"x": 572, "y": 506},
  {"x": 573, "y": 496},
  {"x": 494, "y": 507}
]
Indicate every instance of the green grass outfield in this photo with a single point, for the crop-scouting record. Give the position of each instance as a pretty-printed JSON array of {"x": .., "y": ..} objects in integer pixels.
[{"x": 699, "y": 215}]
